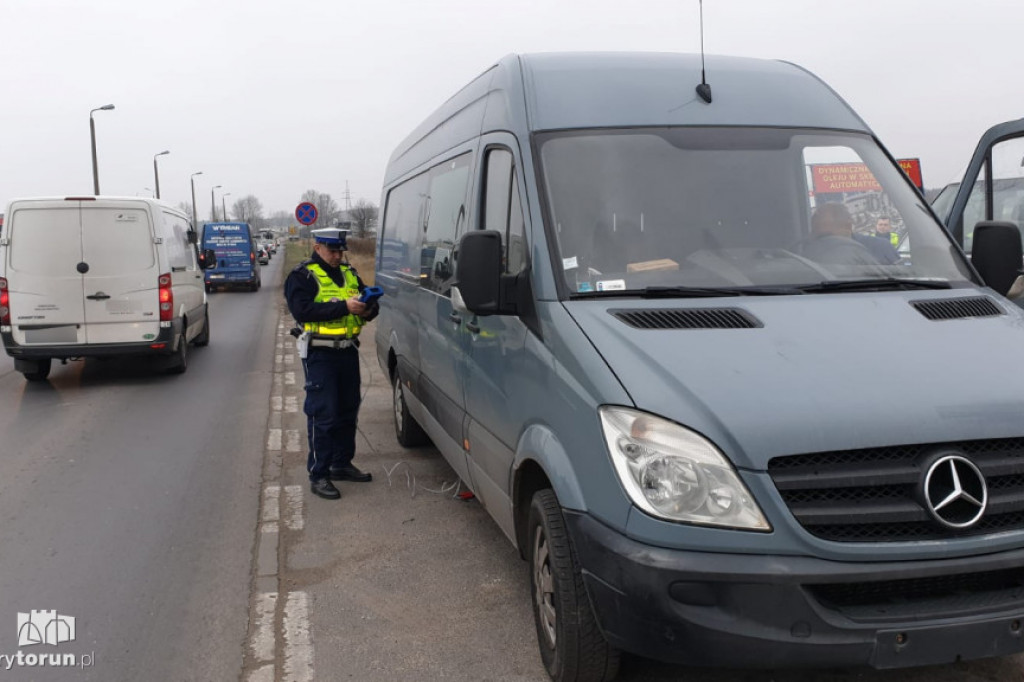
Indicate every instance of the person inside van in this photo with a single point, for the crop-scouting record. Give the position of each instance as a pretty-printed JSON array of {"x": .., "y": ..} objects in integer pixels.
[{"x": 832, "y": 241}]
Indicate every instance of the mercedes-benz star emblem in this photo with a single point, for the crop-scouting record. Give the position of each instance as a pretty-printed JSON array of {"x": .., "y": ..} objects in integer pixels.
[{"x": 955, "y": 492}]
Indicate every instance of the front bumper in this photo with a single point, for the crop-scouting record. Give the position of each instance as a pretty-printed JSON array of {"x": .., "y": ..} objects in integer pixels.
[{"x": 757, "y": 611}]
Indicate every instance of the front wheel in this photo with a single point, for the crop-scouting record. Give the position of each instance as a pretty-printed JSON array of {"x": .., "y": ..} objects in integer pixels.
[
  {"x": 571, "y": 645},
  {"x": 407, "y": 430}
]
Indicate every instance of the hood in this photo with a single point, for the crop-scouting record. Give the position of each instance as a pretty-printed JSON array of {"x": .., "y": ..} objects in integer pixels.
[{"x": 822, "y": 372}]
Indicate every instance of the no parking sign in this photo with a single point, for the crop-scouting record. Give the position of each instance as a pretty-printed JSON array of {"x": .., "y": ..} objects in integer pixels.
[{"x": 306, "y": 213}]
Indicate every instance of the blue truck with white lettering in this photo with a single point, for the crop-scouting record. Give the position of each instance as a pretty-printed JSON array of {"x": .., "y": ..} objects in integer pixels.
[{"x": 237, "y": 265}]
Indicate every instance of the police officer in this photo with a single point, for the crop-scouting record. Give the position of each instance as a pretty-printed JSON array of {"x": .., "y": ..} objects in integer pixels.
[{"x": 323, "y": 296}]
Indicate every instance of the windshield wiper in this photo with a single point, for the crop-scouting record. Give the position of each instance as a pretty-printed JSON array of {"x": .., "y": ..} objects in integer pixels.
[
  {"x": 880, "y": 284},
  {"x": 692, "y": 292}
]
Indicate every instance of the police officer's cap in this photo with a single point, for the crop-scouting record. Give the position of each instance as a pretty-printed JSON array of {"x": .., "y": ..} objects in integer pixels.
[{"x": 331, "y": 237}]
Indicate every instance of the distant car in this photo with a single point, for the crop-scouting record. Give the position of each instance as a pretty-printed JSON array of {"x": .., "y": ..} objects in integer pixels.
[
  {"x": 263, "y": 256},
  {"x": 268, "y": 247}
]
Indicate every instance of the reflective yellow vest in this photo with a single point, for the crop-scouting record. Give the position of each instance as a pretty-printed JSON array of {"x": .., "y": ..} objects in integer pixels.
[{"x": 347, "y": 327}]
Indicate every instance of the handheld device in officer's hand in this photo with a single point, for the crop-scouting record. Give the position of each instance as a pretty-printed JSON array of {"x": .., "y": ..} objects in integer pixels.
[{"x": 371, "y": 294}]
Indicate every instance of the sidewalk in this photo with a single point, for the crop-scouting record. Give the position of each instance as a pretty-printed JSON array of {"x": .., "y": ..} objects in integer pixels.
[{"x": 400, "y": 579}]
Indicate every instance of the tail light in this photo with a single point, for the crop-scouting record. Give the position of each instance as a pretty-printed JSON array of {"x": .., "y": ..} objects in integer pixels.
[
  {"x": 166, "y": 298},
  {"x": 5, "y": 303},
  {"x": 252, "y": 256}
]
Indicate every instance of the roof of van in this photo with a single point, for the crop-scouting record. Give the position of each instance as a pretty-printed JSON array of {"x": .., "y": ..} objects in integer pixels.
[
  {"x": 565, "y": 90},
  {"x": 103, "y": 198},
  {"x": 608, "y": 89}
]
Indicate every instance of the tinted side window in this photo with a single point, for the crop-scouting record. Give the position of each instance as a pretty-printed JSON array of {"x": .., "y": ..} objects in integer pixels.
[
  {"x": 403, "y": 225},
  {"x": 446, "y": 211},
  {"x": 502, "y": 209}
]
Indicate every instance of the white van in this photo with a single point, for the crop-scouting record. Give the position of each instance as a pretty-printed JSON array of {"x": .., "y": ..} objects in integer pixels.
[{"x": 99, "y": 276}]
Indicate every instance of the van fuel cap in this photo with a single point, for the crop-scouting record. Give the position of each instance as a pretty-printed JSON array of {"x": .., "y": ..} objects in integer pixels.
[{"x": 82, "y": 267}]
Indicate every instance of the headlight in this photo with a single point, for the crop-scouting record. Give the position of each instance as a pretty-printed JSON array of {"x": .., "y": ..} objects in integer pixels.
[{"x": 675, "y": 474}]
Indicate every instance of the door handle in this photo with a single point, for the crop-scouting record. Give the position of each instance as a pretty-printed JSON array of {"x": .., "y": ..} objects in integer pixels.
[
  {"x": 98, "y": 296},
  {"x": 472, "y": 327},
  {"x": 455, "y": 317}
]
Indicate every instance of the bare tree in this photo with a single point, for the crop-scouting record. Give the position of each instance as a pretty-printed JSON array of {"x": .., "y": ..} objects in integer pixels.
[
  {"x": 248, "y": 209},
  {"x": 364, "y": 216},
  {"x": 326, "y": 207}
]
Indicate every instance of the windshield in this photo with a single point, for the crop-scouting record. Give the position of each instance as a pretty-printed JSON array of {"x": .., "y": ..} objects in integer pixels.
[{"x": 734, "y": 207}]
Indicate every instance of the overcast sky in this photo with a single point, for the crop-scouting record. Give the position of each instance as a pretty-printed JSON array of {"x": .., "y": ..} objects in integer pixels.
[{"x": 274, "y": 97}]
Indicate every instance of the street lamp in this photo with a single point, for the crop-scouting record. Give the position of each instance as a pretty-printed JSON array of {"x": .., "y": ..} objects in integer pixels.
[
  {"x": 223, "y": 207},
  {"x": 192, "y": 179},
  {"x": 92, "y": 135},
  {"x": 156, "y": 172},
  {"x": 213, "y": 203}
]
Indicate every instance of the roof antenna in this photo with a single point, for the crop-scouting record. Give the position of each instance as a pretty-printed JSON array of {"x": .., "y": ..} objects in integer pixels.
[{"x": 704, "y": 90}]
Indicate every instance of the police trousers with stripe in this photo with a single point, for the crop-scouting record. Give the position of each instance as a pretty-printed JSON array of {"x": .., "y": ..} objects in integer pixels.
[{"x": 331, "y": 407}]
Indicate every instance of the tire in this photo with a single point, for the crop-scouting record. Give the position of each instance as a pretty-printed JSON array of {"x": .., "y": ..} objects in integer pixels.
[
  {"x": 203, "y": 339},
  {"x": 408, "y": 432},
  {"x": 571, "y": 644},
  {"x": 41, "y": 371},
  {"x": 179, "y": 360}
]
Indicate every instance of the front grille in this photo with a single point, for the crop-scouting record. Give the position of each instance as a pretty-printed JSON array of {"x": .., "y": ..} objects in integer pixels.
[
  {"x": 931, "y": 596},
  {"x": 872, "y": 495}
]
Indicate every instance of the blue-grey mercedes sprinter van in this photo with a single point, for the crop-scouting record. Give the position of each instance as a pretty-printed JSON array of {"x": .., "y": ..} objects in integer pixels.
[{"x": 649, "y": 329}]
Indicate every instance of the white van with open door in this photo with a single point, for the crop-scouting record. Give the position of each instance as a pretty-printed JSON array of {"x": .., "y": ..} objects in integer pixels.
[{"x": 99, "y": 276}]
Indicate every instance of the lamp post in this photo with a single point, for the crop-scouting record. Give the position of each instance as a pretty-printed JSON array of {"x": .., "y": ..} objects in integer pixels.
[
  {"x": 192, "y": 179},
  {"x": 213, "y": 203},
  {"x": 92, "y": 136},
  {"x": 223, "y": 207},
  {"x": 156, "y": 172}
]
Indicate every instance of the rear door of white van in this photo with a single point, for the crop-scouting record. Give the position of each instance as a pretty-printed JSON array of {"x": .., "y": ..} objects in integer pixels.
[
  {"x": 121, "y": 280},
  {"x": 44, "y": 253}
]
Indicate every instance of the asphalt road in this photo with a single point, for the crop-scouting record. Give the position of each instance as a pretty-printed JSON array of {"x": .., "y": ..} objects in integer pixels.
[{"x": 129, "y": 501}]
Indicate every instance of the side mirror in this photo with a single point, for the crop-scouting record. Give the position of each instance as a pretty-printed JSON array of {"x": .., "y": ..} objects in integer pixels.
[
  {"x": 478, "y": 272},
  {"x": 207, "y": 259},
  {"x": 192, "y": 237},
  {"x": 997, "y": 253}
]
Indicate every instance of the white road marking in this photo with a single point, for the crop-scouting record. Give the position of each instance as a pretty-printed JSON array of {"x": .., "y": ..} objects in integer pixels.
[
  {"x": 298, "y": 647},
  {"x": 289, "y": 378},
  {"x": 271, "y": 503},
  {"x": 291, "y": 403},
  {"x": 291, "y": 440},
  {"x": 289, "y": 359},
  {"x": 263, "y": 674},
  {"x": 274, "y": 439},
  {"x": 294, "y": 518},
  {"x": 263, "y": 627}
]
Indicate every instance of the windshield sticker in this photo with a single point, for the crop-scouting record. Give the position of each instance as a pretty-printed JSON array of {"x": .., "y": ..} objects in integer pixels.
[
  {"x": 584, "y": 286},
  {"x": 611, "y": 285},
  {"x": 569, "y": 263}
]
